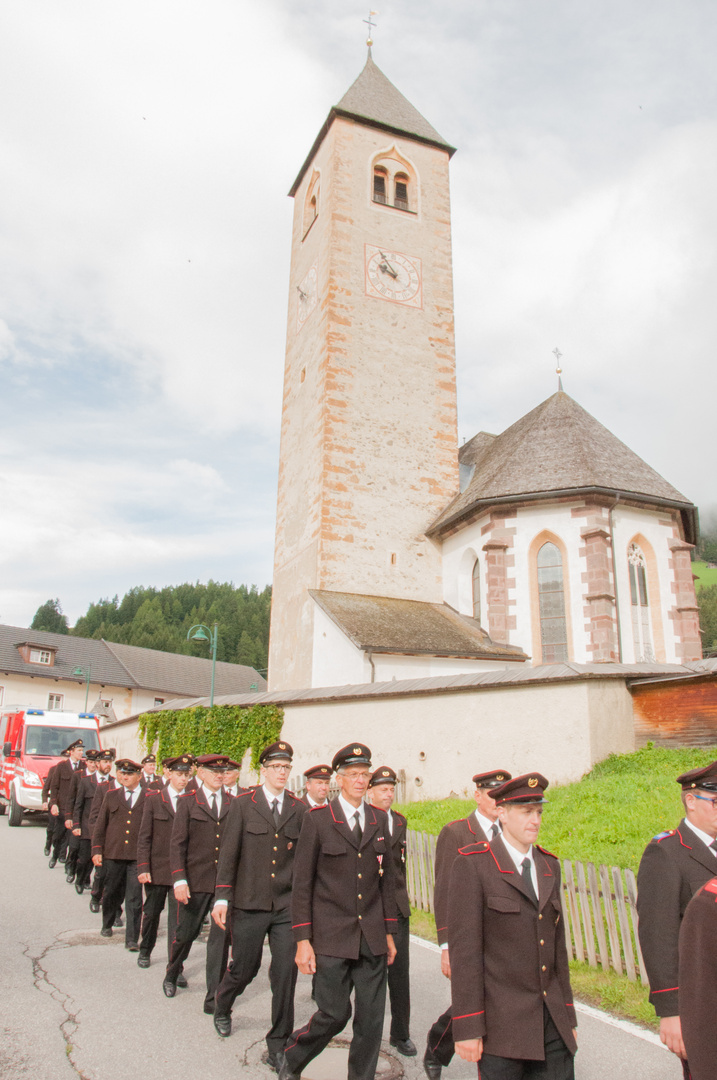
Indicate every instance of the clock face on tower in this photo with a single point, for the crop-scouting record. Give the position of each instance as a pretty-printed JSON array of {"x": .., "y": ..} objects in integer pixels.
[
  {"x": 393, "y": 276},
  {"x": 307, "y": 290}
]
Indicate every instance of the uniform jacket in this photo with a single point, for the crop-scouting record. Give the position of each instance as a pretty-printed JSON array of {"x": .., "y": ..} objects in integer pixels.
[
  {"x": 61, "y": 787},
  {"x": 196, "y": 839},
  {"x": 84, "y": 797},
  {"x": 48, "y": 784},
  {"x": 256, "y": 858},
  {"x": 341, "y": 890},
  {"x": 398, "y": 850},
  {"x": 116, "y": 830},
  {"x": 698, "y": 986},
  {"x": 673, "y": 867},
  {"x": 452, "y": 837},
  {"x": 155, "y": 834},
  {"x": 100, "y": 791},
  {"x": 508, "y": 955}
]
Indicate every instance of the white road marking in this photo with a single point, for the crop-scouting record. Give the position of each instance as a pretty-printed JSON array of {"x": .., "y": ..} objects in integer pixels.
[{"x": 596, "y": 1014}]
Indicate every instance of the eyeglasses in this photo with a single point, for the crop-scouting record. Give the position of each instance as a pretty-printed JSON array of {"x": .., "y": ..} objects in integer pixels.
[
  {"x": 705, "y": 798},
  {"x": 279, "y": 768}
]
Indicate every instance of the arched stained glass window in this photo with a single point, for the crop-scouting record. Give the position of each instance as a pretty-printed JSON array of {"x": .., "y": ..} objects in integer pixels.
[
  {"x": 551, "y": 598},
  {"x": 476, "y": 590},
  {"x": 640, "y": 605}
]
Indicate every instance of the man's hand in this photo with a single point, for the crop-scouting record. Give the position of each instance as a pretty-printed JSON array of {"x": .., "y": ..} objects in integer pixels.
[
  {"x": 219, "y": 914},
  {"x": 391, "y": 949},
  {"x": 55, "y": 810},
  {"x": 68, "y": 823},
  {"x": 575, "y": 1034},
  {"x": 445, "y": 964},
  {"x": 44, "y": 806},
  {"x": 77, "y": 832},
  {"x": 305, "y": 958},
  {"x": 97, "y": 860},
  {"x": 144, "y": 879},
  {"x": 182, "y": 894},
  {"x": 671, "y": 1035},
  {"x": 470, "y": 1050}
]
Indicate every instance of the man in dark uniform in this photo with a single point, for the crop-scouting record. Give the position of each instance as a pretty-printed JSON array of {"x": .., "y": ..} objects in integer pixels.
[
  {"x": 674, "y": 866},
  {"x": 153, "y": 870},
  {"x": 344, "y": 914},
  {"x": 193, "y": 856},
  {"x": 51, "y": 820},
  {"x": 381, "y": 793},
  {"x": 481, "y": 824},
  {"x": 318, "y": 781},
  {"x": 60, "y": 797},
  {"x": 510, "y": 982},
  {"x": 254, "y": 877},
  {"x": 84, "y": 796},
  {"x": 104, "y": 782},
  {"x": 114, "y": 846},
  {"x": 698, "y": 981},
  {"x": 149, "y": 770}
]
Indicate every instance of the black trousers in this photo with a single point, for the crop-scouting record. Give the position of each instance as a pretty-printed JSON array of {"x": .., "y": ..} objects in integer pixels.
[
  {"x": 440, "y": 1039},
  {"x": 336, "y": 977},
  {"x": 558, "y": 1064},
  {"x": 83, "y": 867},
  {"x": 399, "y": 984},
  {"x": 248, "y": 930},
  {"x": 122, "y": 886},
  {"x": 155, "y": 897},
  {"x": 185, "y": 931},
  {"x": 60, "y": 836}
]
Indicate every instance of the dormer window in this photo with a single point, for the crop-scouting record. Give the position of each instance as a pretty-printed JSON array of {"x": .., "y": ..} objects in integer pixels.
[
  {"x": 40, "y": 656},
  {"x": 37, "y": 654},
  {"x": 380, "y": 177}
]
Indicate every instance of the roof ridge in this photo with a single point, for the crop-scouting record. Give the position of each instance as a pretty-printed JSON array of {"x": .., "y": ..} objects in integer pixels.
[{"x": 124, "y": 667}]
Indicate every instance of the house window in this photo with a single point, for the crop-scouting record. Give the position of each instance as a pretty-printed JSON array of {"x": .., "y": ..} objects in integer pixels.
[
  {"x": 640, "y": 605},
  {"x": 380, "y": 176},
  {"x": 400, "y": 200},
  {"x": 55, "y": 701},
  {"x": 40, "y": 656},
  {"x": 158, "y": 701},
  {"x": 106, "y": 703},
  {"x": 476, "y": 590},
  {"x": 551, "y": 598},
  {"x": 311, "y": 204}
]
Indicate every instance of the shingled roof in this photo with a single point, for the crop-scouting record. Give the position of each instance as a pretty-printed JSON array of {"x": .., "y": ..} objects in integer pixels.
[
  {"x": 383, "y": 624},
  {"x": 558, "y": 448},
  {"x": 373, "y": 99}
]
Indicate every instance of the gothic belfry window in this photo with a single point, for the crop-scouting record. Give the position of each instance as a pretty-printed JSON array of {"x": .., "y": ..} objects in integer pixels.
[
  {"x": 380, "y": 176},
  {"x": 400, "y": 200},
  {"x": 640, "y": 605},
  {"x": 476, "y": 590},
  {"x": 551, "y": 599}
]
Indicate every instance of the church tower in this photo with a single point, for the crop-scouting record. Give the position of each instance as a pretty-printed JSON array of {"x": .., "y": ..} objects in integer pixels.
[{"x": 368, "y": 439}]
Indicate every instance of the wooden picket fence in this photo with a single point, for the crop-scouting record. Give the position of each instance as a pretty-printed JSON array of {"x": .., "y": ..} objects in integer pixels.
[{"x": 599, "y": 907}]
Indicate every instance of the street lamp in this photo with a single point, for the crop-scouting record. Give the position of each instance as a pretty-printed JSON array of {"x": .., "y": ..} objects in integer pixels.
[
  {"x": 85, "y": 675},
  {"x": 200, "y": 632}
]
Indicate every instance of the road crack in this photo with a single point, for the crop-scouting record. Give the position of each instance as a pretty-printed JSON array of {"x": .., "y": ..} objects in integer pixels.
[{"x": 71, "y": 1023}]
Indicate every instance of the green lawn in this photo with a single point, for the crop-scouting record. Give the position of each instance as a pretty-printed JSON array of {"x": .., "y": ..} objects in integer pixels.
[
  {"x": 704, "y": 574},
  {"x": 607, "y": 817}
]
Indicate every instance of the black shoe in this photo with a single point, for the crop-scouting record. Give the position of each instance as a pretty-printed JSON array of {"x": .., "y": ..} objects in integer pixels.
[
  {"x": 119, "y": 921},
  {"x": 182, "y": 981},
  {"x": 404, "y": 1046},
  {"x": 431, "y": 1066},
  {"x": 223, "y": 1024},
  {"x": 131, "y": 946},
  {"x": 284, "y": 1071},
  {"x": 62, "y": 858},
  {"x": 48, "y": 848},
  {"x": 273, "y": 1058},
  {"x": 169, "y": 987},
  {"x": 79, "y": 888},
  {"x": 94, "y": 906},
  {"x": 106, "y": 931},
  {"x": 52, "y": 863},
  {"x": 209, "y": 1008},
  {"x": 143, "y": 961},
  {"x": 69, "y": 878}
]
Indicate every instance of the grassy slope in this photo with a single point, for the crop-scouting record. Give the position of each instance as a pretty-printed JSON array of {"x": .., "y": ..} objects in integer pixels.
[
  {"x": 607, "y": 817},
  {"x": 704, "y": 574}
]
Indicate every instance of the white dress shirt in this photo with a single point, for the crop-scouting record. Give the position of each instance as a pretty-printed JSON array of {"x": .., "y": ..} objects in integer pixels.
[
  {"x": 270, "y": 799},
  {"x": 704, "y": 837},
  {"x": 350, "y": 810},
  {"x": 518, "y": 857},
  {"x": 486, "y": 824}
]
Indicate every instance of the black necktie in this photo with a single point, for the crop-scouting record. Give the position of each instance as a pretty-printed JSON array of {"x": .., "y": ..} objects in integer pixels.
[
  {"x": 494, "y": 830},
  {"x": 528, "y": 879},
  {"x": 356, "y": 830},
  {"x": 213, "y": 808},
  {"x": 275, "y": 812},
  {"x": 128, "y": 796}
]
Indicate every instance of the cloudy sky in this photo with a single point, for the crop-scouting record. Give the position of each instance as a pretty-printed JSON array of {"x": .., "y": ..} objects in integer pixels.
[{"x": 147, "y": 148}]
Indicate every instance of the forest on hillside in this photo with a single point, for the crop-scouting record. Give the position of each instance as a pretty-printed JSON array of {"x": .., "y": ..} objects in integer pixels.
[{"x": 161, "y": 618}]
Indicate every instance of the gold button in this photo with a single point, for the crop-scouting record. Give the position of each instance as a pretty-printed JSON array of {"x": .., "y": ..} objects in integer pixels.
[
  {"x": 276, "y": 836},
  {"x": 360, "y": 897},
  {"x": 542, "y": 942},
  {"x": 273, "y": 862},
  {"x": 359, "y": 875},
  {"x": 273, "y": 875},
  {"x": 543, "y": 968},
  {"x": 359, "y": 916},
  {"x": 276, "y": 849},
  {"x": 540, "y": 916},
  {"x": 359, "y": 854},
  {"x": 127, "y": 832},
  {"x": 216, "y": 849},
  {"x": 545, "y": 993}
]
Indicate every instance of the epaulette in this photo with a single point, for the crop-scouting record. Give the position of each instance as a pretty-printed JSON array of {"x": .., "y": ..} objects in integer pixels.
[
  {"x": 475, "y": 849},
  {"x": 546, "y": 852},
  {"x": 662, "y": 835}
]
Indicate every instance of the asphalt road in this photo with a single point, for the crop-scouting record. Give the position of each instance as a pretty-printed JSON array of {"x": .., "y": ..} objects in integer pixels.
[{"x": 76, "y": 1005}]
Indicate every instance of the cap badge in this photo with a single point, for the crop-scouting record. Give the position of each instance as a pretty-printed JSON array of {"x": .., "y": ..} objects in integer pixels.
[
  {"x": 282, "y": 746},
  {"x": 533, "y": 782},
  {"x": 357, "y": 749},
  {"x": 499, "y": 776},
  {"x": 385, "y": 773}
]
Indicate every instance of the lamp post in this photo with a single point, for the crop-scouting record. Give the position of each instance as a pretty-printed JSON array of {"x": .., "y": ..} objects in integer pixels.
[
  {"x": 85, "y": 675},
  {"x": 200, "y": 632}
]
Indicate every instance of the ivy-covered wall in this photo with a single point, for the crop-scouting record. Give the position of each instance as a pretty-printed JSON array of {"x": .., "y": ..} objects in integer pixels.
[{"x": 223, "y": 729}]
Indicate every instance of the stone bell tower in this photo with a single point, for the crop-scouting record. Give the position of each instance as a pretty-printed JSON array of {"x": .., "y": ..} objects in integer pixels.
[{"x": 368, "y": 438}]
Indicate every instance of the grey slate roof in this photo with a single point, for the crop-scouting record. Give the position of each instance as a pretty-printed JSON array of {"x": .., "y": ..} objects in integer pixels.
[
  {"x": 514, "y": 675},
  {"x": 558, "y": 447},
  {"x": 122, "y": 665},
  {"x": 383, "y": 624},
  {"x": 374, "y": 100}
]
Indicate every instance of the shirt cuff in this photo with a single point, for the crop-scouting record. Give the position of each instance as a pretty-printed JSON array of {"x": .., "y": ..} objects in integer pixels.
[
  {"x": 221, "y": 903},
  {"x": 182, "y": 882},
  {"x": 444, "y": 947}
]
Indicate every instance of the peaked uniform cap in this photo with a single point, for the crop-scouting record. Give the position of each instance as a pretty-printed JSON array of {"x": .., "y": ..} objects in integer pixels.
[
  {"x": 372, "y": 99},
  {"x": 126, "y": 765},
  {"x": 106, "y": 755},
  {"x": 318, "y": 772},
  {"x": 705, "y": 778},
  {"x": 93, "y": 755},
  {"x": 77, "y": 744},
  {"x": 492, "y": 779},
  {"x": 527, "y": 788},
  {"x": 183, "y": 763},
  {"x": 355, "y": 753},
  {"x": 383, "y": 775},
  {"x": 277, "y": 751},
  {"x": 218, "y": 762},
  {"x": 149, "y": 759}
]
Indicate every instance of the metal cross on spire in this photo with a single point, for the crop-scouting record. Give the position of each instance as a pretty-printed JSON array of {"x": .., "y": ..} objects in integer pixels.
[
  {"x": 369, "y": 22},
  {"x": 558, "y": 370}
]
